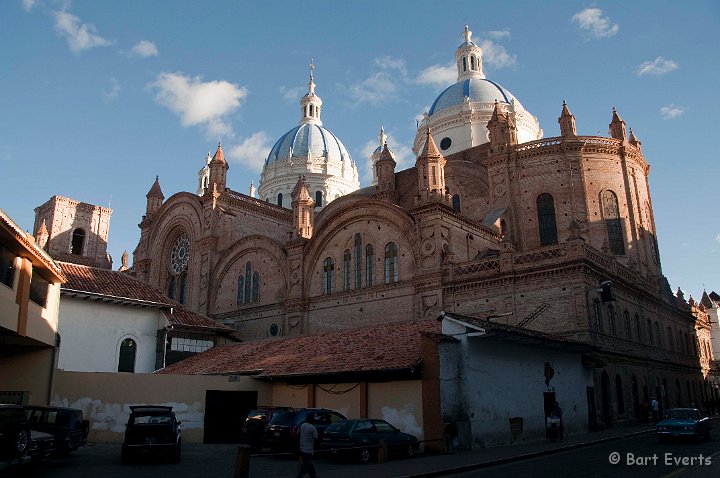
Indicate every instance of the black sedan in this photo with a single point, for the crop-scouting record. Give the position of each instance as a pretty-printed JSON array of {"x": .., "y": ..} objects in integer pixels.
[{"x": 361, "y": 439}]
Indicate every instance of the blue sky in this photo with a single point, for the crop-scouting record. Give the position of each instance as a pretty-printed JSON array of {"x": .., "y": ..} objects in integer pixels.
[{"x": 99, "y": 97}]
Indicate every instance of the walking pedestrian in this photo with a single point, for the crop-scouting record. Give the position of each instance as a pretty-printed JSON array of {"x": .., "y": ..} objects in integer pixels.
[
  {"x": 308, "y": 435},
  {"x": 655, "y": 409}
]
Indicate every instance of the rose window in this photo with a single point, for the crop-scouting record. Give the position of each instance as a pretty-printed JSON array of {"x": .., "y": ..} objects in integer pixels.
[{"x": 180, "y": 254}]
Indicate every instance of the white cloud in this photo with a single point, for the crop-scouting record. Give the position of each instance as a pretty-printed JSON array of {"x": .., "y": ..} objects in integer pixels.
[
  {"x": 671, "y": 111},
  {"x": 28, "y": 5},
  {"x": 659, "y": 66},
  {"x": 381, "y": 86},
  {"x": 207, "y": 104},
  {"x": 438, "y": 75},
  {"x": 80, "y": 36},
  {"x": 717, "y": 238},
  {"x": 112, "y": 92},
  {"x": 251, "y": 152},
  {"x": 292, "y": 94},
  {"x": 497, "y": 34},
  {"x": 144, "y": 49},
  {"x": 420, "y": 116},
  {"x": 496, "y": 55},
  {"x": 594, "y": 24},
  {"x": 378, "y": 88}
]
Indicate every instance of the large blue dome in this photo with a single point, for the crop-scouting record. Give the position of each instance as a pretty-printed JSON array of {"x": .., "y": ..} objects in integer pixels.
[
  {"x": 479, "y": 90},
  {"x": 308, "y": 137}
]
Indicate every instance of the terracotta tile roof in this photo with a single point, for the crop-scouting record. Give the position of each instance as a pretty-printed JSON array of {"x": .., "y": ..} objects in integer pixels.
[
  {"x": 119, "y": 285},
  {"x": 381, "y": 348}
]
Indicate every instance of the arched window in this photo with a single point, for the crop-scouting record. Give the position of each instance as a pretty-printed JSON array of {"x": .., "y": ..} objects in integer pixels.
[
  {"x": 619, "y": 393},
  {"x": 611, "y": 319},
  {"x": 279, "y": 199},
  {"x": 464, "y": 64},
  {"x": 312, "y": 110},
  {"x": 658, "y": 335},
  {"x": 597, "y": 316},
  {"x": 248, "y": 286},
  {"x": 78, "y": 241},
  {"x": 126, "y": 360},
  {"x": 369, "y": 265},
  {"x": 650, "y": 332},
  {"x": 318, "y": 199},
  {"x": 546, "y": 219},
  {"x": 671, "y": 344},
  {"x": 472, "y": 62},
  {"x": 328, "y": 275},
  {"x": 628, "y": 328},
  {"x": 358, "y": 261},
  {"x": 346, "y": 270},
  {"x": 611, "y": 214},
  {"x": 391, "y": 263},
  {"x": 638, "y": 328},
  {"x": 176, "y": 286},
  {"x": 456, "y": 203}
]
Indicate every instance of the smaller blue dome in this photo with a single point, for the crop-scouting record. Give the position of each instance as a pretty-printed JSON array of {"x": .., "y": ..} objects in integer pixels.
[
  {"x": 307, "y": 137},
  {"x": 479, "y": 90}
]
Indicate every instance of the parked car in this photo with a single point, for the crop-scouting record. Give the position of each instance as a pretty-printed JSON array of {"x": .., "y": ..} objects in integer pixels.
[
  {"x": 14, "y": 436},
  {"x": 152, "y": 431},
  {"x": 282, "y": 431},
  {"x": 18, "y": 443},
  {"x": 67, "y": 425},
  {"x": 683, "y": 422},
  {"x": 255, "y": 423},
  {"x": 361, "y": 439}
]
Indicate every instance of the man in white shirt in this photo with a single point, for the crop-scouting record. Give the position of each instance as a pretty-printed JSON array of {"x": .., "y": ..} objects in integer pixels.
[{"x": 308, "y": 435}]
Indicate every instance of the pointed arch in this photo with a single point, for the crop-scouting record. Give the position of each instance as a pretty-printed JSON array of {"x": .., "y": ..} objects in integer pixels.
[{"x": 613, "y": 225}]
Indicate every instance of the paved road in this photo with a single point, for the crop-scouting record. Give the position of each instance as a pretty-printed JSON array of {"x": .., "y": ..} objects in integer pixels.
[{"x": 637, "y": 457}]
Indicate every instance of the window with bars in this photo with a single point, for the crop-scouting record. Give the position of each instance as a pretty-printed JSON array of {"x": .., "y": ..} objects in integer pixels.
[{"x": 191, "y": 343}]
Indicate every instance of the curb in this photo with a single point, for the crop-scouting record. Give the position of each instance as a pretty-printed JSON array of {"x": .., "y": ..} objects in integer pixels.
[{"x": 526, "y": 456}]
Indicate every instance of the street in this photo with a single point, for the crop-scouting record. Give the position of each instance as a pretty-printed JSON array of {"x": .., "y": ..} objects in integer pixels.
[{"x": 638, "y": 456}]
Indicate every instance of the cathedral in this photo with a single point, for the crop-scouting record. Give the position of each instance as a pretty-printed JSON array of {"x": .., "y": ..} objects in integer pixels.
[{"x": 494, "y": 221}]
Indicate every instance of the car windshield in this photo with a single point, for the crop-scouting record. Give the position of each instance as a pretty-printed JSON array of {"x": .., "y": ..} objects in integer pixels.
[
  {"x": 682, "y": 414},
  {"x": 151, "y": 419}
]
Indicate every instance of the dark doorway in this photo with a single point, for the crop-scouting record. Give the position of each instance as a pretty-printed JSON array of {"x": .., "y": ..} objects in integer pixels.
[
  {"x": 592, "y": 411},
  {"x": 549, "y": 404},
  {"x": 225, "y": 413},
  {"x": 605, "y": 398}
]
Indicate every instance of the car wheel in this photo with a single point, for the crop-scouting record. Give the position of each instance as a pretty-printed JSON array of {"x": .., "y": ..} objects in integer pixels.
[
  {"x": 365, "y": 455},
  {"x": 410, "y": 451},
  {"x": 22, "y": 442}
]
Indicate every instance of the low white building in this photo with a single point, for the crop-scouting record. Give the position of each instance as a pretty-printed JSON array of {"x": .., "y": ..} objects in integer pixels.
[
  {"x": 111, "y": 322},
  {"x": 500, "y": 382}
]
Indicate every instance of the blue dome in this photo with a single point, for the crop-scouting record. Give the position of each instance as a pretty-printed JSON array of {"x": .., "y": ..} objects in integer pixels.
[
  {"x": 319, "y": 141},
  {"x": 479, "y": 90}
]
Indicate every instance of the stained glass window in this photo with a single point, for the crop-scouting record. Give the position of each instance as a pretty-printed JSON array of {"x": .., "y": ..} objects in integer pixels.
[
  {"x": 346, "y": 270},
  {"x": 328, "y": 275},
  {"x": 456, "y": 203},
  {"x": 240, "y": 289},
  {"x": 391, "y": 263},
  {"x": 358, "y": 261},
  {"x": 256, "y": 286}
]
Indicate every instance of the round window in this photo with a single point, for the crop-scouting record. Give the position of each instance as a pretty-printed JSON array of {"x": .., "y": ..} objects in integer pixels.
[
  {"x": 445, "y": 143},
  {"x": 180, "y": 254},
  {"x": 274, "y": 330}
]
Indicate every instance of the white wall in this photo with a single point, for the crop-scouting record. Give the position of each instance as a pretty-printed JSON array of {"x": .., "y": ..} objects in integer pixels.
[
  {"x": 487, "y": 381},
  {"x": 91, "y": 333}
]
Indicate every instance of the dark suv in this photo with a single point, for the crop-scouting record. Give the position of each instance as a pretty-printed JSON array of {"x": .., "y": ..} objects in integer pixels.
[
  {"x": 282, "y": 432},
  {"x": 255, "y": 423},
  {"x": 152, "y": 430},
  {"x": 67, "y": 425}
]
